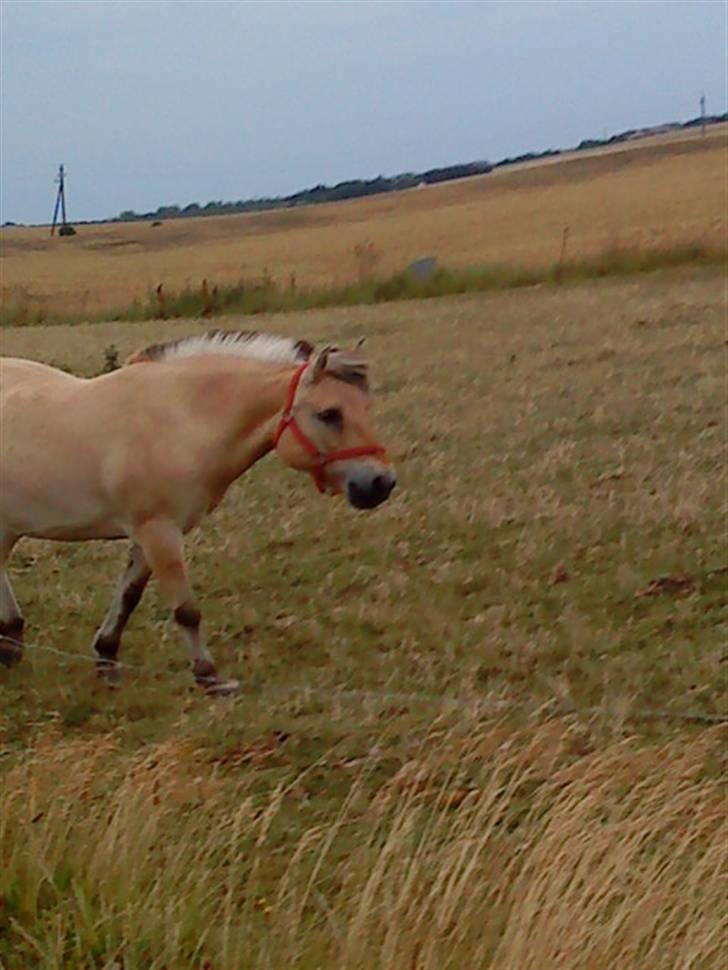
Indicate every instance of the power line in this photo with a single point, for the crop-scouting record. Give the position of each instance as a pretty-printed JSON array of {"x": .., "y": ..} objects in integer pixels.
[{"x": 66, "y": 229}]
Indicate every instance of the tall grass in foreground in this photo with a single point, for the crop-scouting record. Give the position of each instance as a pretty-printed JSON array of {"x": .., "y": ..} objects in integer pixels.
[
  {"x": 266, "y": 295},
  {"x": 493, "y": 850}
]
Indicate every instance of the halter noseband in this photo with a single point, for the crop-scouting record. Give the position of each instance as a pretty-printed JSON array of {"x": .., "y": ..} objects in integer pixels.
[{"x": 322, "y": 459}]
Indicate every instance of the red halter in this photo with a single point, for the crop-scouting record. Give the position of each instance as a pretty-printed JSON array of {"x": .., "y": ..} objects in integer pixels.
[{"x": 322, "y": 458}]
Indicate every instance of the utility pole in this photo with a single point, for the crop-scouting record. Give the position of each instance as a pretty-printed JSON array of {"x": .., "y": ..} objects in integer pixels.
[
  {"x": 66, "y": 229},
  {"x": 702, "y": 114}
]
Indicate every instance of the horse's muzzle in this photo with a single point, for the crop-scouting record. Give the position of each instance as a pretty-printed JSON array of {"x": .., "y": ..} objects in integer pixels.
[{"x": 366, "y": 491}]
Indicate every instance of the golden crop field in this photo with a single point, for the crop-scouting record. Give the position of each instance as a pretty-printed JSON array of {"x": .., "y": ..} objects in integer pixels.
[
  {"x": 479, "y": 727},
  {"x": 661, "y": 192}
]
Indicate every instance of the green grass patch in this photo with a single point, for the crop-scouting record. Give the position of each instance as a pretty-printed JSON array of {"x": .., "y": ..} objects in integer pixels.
[{"x": 266, "y": 295}]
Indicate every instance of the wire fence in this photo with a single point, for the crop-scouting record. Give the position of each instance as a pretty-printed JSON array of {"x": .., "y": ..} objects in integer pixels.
[{"x": 480, "y": 706}]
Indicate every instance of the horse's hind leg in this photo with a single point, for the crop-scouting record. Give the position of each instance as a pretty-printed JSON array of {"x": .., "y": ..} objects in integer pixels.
[
  {"x": 11, "y": 619},
  {"x": 162, "y": 543},
  {"x": 128, "y": 592}
]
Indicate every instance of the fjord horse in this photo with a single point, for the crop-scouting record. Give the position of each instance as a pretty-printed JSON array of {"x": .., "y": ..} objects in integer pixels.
[{"x": 145, "y": 452}]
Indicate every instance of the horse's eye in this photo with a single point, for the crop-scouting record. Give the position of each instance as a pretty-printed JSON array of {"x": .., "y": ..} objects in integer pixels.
[{"x": 332, "y": 417}]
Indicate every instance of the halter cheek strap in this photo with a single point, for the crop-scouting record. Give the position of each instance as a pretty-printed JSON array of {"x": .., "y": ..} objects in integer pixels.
[{"x": 321, "y": 458}]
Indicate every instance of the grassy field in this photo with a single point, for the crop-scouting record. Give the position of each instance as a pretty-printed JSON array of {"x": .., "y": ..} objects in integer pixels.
[
  {"x": 643, "y": 197},
  {"x": 478, "y": 728}
]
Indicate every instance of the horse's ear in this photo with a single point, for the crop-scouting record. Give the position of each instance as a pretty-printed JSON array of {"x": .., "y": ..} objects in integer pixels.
[
  {"x": 360, "y": 343},
  {"x": 316, "y": 369}
]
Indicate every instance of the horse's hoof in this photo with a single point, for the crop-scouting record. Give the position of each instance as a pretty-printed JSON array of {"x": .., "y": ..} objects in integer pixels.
[
  {"x": 223, "y": 688},
  {"x": 108, "y": 672},
  {"x": 10, "y": 653}
]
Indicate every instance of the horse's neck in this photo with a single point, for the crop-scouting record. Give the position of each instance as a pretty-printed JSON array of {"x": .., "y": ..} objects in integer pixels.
[{"x": 246, "y": 405}]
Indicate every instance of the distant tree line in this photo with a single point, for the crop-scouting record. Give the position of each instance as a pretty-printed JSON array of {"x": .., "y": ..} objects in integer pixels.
[
  {"x": 358, "y": 188},
  {"x": 350, "y": 189}
]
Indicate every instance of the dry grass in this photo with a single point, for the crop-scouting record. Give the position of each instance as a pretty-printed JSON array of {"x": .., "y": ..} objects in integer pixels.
[
  {"x": 486, "y": 849},
  {"x": 657, "y": 195}
]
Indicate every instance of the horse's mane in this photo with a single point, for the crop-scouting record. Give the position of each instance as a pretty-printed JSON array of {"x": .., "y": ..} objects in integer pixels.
[
  {"x": 271, "y": 348},
  {"x": 232, "y": 343}
]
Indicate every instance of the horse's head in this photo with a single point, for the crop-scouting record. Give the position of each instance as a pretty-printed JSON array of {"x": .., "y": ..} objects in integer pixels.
[{"x": 325, "y": 429}]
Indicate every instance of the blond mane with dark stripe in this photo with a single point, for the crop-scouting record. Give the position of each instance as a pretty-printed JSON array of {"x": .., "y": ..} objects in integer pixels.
[
  {"x": 348, "y": 366},
  {"x": 231, "y": 343}
]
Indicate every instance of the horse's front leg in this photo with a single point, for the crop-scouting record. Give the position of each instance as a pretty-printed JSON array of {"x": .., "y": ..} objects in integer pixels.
[
  {"x": 128, "y": 592},
  {"x": 11, "y": 619},
  {"x": 163, "y": 547}
]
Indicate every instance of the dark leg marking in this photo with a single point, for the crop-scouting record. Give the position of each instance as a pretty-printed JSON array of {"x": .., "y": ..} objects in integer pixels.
[
  {"x": 126, "y": 599},
  {"x": 188, "y": 616},
  {"x": 11, "y": 641},
  {"x": 205, "y": 673},
  {"x": 107, "y": 644}
]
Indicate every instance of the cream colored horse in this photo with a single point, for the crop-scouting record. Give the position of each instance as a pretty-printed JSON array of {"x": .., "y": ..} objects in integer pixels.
[{"x": 145, "y": 452}]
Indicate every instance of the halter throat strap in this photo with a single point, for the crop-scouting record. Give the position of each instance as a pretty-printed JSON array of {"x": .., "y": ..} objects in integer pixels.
[{"x": 321, "y": 458}]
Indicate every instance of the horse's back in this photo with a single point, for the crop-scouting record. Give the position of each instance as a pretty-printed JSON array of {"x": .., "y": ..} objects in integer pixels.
[{"x": 17, "y": 372}]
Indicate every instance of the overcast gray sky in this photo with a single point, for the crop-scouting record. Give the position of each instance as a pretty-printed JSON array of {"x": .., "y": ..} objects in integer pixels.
[{"x": 151, "y": 102}]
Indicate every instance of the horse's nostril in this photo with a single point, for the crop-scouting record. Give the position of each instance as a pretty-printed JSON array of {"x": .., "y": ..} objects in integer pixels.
[
  {"x": 382, "y": 485},
  {"x": 373, "y": 493}
]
